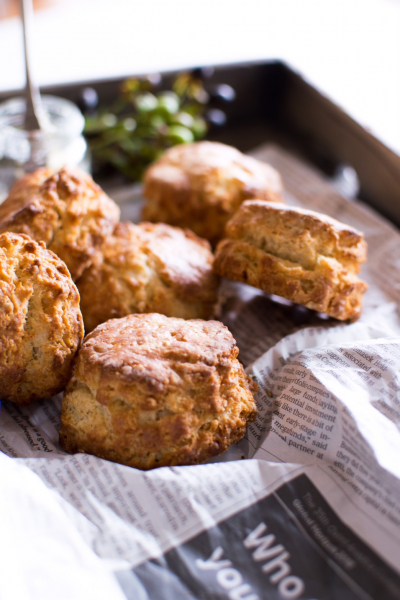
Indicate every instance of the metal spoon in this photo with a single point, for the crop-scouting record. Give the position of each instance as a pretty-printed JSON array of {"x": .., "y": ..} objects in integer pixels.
[{"x": 34, "y": 108}]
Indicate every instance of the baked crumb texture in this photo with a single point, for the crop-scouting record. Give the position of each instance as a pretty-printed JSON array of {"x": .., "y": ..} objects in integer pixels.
[
  {"x": 201, "y": 185},
  {"x": 65, "y": 210},
  {"x": 298, "y": 254},
  {"x": 151, "y": 391},
  {"x": 41, "y": 325},
  {"x": 149, "y": 268}
]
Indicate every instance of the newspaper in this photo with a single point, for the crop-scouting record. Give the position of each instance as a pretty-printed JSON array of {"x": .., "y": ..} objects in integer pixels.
[{"x": 306, "y": 506}]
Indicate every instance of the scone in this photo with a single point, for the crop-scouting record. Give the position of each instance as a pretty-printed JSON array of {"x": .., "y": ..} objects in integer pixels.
[
  {"x": 41, "y": 325},
  {"x": 66, "y": 210},
  {"x": 151, "y": 391},
  {"x": 149, "y": 268},
  {"x": 298, "y": 254},
  {"x": 201, "y": 186}
]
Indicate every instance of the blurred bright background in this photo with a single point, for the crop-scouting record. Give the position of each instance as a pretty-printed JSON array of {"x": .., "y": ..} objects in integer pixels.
[{"x": 349, "y": 49}]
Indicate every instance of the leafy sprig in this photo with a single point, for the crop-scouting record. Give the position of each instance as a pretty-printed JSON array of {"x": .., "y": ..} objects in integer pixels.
[{"x": 142, "y": 123}]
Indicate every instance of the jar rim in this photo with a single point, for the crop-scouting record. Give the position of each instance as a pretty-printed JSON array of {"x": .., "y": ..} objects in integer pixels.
[{"x": 63, "y": 115}]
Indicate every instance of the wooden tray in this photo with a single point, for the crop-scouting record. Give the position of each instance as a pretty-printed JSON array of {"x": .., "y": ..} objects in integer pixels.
[{"x": 276, "y": 104}]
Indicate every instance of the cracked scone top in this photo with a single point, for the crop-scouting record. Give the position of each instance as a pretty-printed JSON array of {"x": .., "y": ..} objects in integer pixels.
[
  {"x": 150, "y": 391},
  {"x": 67, "y": 210},
  {"x": 201, "y": 185},
  {"x": 41, "y": 325},
  {"x": 301, "y": 255},
  {"x": 149, "y": 268}
]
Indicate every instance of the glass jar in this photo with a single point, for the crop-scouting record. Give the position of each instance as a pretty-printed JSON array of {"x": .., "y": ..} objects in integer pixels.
[{"x": 58, "y": 144}]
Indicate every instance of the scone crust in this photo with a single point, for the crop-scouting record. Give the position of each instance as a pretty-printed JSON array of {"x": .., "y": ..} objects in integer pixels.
[
  {"x": 66, "y": 210},
  {"x": 151, "y": 391},
  {"x": 201, "y": 185},
  {"x": 149, "y": 268},
  {"x": 41, "y": 326},
  {"x": 301, "y": 255}
]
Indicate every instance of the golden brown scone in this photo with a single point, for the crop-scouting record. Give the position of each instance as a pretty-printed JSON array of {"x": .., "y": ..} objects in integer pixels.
[
  {"x": 201, "y": 186},
  {"x": 66, "y": 210},
  {"x": 41, "y": 325},
  {"x": 298, "y": 254},
  {"x": 151, "y": 391},
  {"x": 149, "y": 268}
]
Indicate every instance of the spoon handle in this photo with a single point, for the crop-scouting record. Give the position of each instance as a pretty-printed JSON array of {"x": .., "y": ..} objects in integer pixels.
[{"x": 32, "y": 94}]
